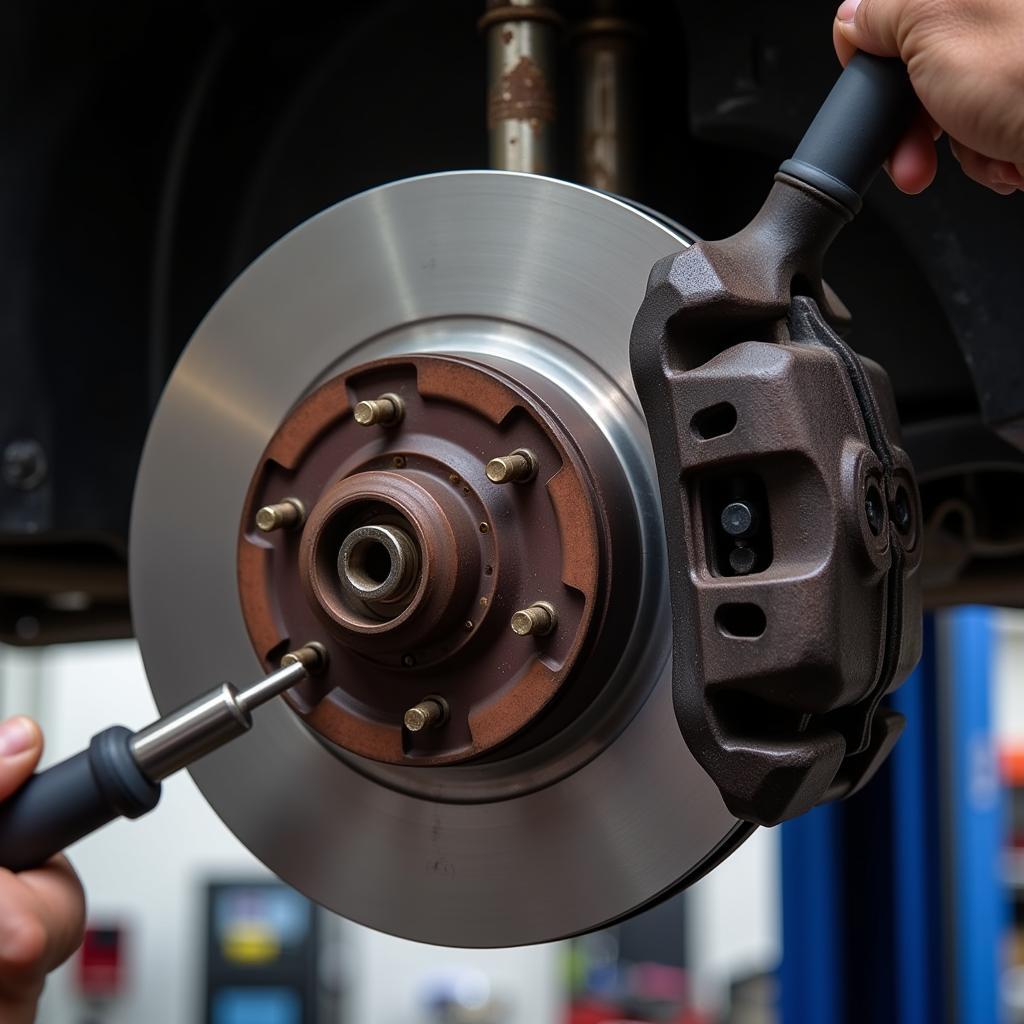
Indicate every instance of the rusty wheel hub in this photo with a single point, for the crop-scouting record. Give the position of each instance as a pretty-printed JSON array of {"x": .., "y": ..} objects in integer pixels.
[{"x": 458, "y": 550}]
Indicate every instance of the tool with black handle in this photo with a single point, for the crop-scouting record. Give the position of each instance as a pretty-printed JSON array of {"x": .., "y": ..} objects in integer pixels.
[
  {"x": 120, "y": 772},
  {"x": 788, "y": 632}
]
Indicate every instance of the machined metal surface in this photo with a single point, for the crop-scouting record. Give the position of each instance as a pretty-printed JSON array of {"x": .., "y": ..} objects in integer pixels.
[{"x": 586, "y": 827}]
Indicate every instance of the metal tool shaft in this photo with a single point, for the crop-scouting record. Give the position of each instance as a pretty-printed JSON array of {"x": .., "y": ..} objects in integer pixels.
[
  {"x": 119, "y": 775},
  {"x": 206, "y": 723}
]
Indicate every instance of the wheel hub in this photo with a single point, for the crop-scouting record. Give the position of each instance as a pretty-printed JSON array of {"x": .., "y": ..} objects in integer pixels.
[{"x": 413, "y": 562}]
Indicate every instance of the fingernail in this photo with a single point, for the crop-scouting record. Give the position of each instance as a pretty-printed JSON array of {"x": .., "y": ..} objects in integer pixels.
[
  {"x": 847, "y": 10},
  {"x": 16, "y": 736}
]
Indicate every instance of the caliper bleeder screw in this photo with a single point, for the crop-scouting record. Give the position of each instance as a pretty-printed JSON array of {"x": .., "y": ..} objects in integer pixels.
[
  {"x": 518, "y": 467},
  {"x": 537, "y": 620},
  {"x": 385, "y": 411},
  {"x": 289, "y": 514}
]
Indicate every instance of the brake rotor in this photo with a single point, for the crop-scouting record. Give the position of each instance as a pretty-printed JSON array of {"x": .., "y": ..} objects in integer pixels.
[{"x": 550, "y": 792}]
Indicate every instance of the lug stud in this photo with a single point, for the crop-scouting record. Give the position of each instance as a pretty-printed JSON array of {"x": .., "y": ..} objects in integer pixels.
[
  {"x": 537, "y": 620},
  {"x": 313, "y": 655},
  {"x": 285, "y": 515},
  {"x": 428, "y": 714},
  {"x": 385, "y": 411},
  {"x": 518, "y": 467}
]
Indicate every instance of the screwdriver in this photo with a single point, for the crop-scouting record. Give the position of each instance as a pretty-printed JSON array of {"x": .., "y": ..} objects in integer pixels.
[{"x": 119, "y": 773}]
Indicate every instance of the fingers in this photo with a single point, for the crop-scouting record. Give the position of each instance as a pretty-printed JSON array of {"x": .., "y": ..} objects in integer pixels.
[
  {"x": 41, "y": 925},
  {"x": 875, "y": 26},
  {"x": 42, "y": 912},
  {"x": 998, "y": 175},
  {"x": 21, "y": 744},
  {"x": 913, "y": 164},
  {"x": 871, "y": 25},
  {"x": 60, "y": 903}
]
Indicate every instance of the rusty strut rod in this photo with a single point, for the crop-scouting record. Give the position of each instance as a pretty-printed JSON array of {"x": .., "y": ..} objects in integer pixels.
[
  {"x": 791, "y": 512},
  {"x": 522, "y": 39}
]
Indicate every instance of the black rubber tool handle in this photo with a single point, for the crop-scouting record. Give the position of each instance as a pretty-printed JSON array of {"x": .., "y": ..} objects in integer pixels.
[
  {"x": 867, "y": 112},
  {"x": 59, "y": 806}
]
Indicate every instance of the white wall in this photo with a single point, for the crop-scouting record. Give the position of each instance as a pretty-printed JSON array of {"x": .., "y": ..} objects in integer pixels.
[
  {"x": 148, "y": 873},
  {"x": 734, "y": 924},
  {"x": 1009, "y": 676},
  {"x": 394, "y": 975}
]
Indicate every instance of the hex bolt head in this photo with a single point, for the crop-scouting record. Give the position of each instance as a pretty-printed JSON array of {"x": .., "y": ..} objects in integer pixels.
[
  {"x": 384, "y": 411},
  {"x": 428, "y": 714},
  {"x": 537, "y": 620},
  {"x": 289, "y": 514},
  {"x": 24, "y": 464},
  {"x": 517, "y": 467},
  {"x": 739, "y": 519}
]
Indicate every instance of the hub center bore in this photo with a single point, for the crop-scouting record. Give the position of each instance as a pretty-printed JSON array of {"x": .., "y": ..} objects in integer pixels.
[
  {"x": 433, "y": 578},
  {"x": 378, "y": 564}
]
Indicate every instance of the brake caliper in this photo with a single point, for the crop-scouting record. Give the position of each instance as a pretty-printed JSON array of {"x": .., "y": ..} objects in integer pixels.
[{"x": 791, "y": 513}]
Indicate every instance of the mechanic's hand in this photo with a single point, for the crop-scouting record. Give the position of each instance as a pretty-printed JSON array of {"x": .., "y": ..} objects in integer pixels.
[
  {"x": 42, "y": 912},
  {"x": 966, "y": 61}
]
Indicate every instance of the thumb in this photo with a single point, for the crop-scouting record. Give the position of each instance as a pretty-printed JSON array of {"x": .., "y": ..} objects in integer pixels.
[
  {"x": 877, "y": 26},
  {"x": 21, "y": 744}
]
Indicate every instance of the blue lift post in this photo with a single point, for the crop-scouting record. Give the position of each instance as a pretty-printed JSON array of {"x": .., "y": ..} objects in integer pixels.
[
  {"x": 976, "y": 826},
  {"x": 892, "y": 901}
]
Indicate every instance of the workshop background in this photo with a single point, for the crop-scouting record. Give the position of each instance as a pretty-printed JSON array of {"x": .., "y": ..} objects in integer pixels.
[{"x": 148, "y": 155}]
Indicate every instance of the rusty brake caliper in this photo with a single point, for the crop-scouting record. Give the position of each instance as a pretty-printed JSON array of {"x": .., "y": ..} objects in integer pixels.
[{"x": 791, "y": 512}]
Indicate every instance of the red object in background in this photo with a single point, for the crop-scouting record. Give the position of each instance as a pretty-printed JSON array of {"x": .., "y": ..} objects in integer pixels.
[
  {"x": 1011, "y": 763},
  {"x": 604, "y": 1013},
  {"x": 100, "y": 966}
]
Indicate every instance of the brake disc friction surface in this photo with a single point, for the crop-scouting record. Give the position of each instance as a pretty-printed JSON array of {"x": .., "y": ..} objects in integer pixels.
[{"x": 595, "y": 822}]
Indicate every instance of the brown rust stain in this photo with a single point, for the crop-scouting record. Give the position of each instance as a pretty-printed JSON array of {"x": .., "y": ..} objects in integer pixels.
[
  {"x": 521, "y": 94},
  {"x": 467, "y": 386},
  {"x": 580, "y": 546},
  {"x": 307, "y": 422},
  {"x": 489, "y": 723}
]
